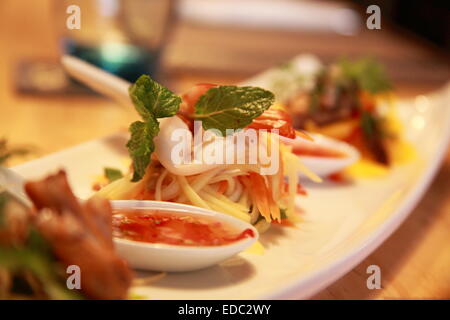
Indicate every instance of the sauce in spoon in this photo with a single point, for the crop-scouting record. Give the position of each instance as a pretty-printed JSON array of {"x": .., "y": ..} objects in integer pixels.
[
  {"x": 318, "y": 151},
  {"x": 159, "y": 226}
]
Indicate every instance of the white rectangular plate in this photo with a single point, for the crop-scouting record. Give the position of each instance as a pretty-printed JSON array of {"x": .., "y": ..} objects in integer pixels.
[{"x": 342, "y": 223}]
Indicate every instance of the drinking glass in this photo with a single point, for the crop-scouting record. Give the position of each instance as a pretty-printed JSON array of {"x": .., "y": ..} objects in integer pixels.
[{"x": 124, "y": 37}]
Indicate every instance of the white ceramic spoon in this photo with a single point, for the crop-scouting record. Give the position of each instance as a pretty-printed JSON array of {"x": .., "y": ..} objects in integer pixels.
[
  {"x": 158, "y": 257},
  {"x": 324, "y": 166},
  {"x": 176, "y": 258},
  {"x": 99, "y": 80},
  {"x": 13, "y": 183}
]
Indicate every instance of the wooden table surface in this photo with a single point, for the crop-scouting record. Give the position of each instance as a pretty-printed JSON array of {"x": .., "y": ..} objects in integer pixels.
[{"x": 414, "y": 261}]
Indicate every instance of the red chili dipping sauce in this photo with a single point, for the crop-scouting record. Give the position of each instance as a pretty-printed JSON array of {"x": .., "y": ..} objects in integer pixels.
[
  {"x": 158, "y": 226},
  {"x": 316, "y": 151}
]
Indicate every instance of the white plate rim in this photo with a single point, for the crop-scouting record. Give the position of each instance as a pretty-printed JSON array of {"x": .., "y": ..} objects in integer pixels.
[{"x": 347, "y": 262}]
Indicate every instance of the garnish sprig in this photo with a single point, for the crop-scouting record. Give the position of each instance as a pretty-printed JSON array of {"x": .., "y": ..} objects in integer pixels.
[{"x": 221, "y": 108}]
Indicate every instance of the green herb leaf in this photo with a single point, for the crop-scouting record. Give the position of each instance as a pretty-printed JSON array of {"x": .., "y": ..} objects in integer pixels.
[
  {"x": 373, "y": 136},
  {"x": 231, "y": 107},
  {"x": 224, "y": 107},
  {"x": 141, "y": 145},
  {"x": 152, "y": 99},
  {"x": 113, "y": 174},
  {"x": 37, "y": 243},
  {"x": 35, "y": 256},
  {"x": 368, "y": 73},
  {"x": 42, "y": 266},
  {"x": 368, "y": 124}
]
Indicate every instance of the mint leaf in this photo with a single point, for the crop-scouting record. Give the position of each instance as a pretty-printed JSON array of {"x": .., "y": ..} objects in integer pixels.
[
  {"x": 112, "y": 174},
  {"x": 231, "y": 107},
  {"x": 151, "y": 98},
  {"x": 141, "y": 145},
  {"x": 151, "y": 101},
  {"x": 223, "y": 107}
]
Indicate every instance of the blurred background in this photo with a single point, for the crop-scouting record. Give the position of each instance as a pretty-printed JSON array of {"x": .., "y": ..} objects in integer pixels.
[
  {"x": 185, "y": 42},
  {"x": 227, "y": 39}
]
